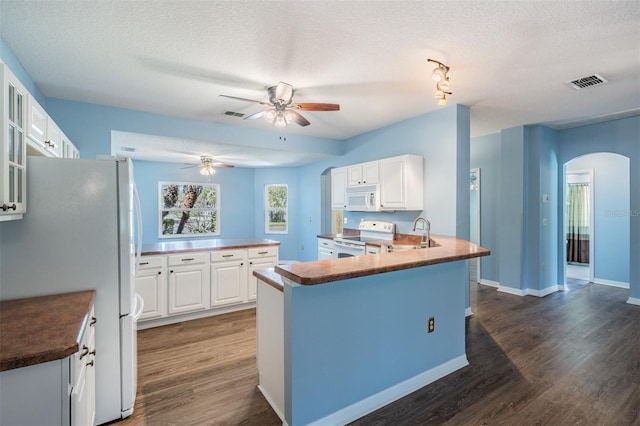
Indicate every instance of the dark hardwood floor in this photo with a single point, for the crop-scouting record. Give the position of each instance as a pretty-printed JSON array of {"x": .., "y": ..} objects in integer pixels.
[{"x": 569, "y": 358}]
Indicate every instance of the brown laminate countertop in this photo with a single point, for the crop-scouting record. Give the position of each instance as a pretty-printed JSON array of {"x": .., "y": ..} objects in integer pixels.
[
  {"x": 170, "y": 247},
  {"x": 449, "y": 249},
  {"x": 40, "y": 329},
  {"x": 269, "y": 276}
]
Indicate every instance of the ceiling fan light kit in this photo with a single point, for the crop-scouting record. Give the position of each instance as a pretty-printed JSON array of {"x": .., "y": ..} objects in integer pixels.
[
  {"x": 439, "y": 75},
  {"x": 281, "y": 109},
  {"x": 207, "y": 165}
]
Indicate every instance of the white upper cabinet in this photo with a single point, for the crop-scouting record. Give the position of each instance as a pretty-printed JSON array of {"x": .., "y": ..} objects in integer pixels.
[
  {"x": 338, "y": 188},
  {"x": 402, "y": 183},
  {"x": 13, "y": 125},
  {"x": 363, "y": 174},
  {"x": 45, "y": 136}
]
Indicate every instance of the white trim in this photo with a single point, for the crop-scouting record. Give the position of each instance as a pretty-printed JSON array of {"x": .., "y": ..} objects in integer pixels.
[
  {"x": 468, "y": 312},
  {"x": 611, "y": 283},
  {"x": 511, "y": 290},
  {"x": 393, "y": 393},
  {"x": 592, "y": 220},
  {"x": 544, "y": 291},
  {"x": 272, "y": 403},
  {"x": 172, "y": 319},
  {"x": 489, "y": 283},
  {"x": 634, "y": 301}
]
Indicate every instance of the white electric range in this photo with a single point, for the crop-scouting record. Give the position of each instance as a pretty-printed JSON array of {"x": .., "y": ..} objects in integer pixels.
[{"x": 370, "y": 230}]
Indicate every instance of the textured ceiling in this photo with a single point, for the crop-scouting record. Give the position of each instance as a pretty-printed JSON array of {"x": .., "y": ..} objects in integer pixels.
[{"x": 510, "y": 61}]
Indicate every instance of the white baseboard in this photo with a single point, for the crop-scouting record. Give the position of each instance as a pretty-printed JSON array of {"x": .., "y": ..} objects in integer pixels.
[
  {"x": 157, "y": 322},
  {"x": 611, "y": 283},
  {"x": 387, "y": 396},
  {"x": 634, "y": 301},
  {"x": 511, "y": 290},
  {"x": 468, "y": 312},
  {"x": 272, "y": 403},
  {"x": 489, "y": 283},
  {"x": 544, "y": 291}
]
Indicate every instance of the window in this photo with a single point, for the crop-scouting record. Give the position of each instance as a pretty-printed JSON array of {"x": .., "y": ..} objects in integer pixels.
[
  {"x": 188, "y": 209},
  {"x": 275, "y": 211}
]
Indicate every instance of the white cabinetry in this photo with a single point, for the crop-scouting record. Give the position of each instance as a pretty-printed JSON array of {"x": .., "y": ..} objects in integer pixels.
[
  {"x": 44, "y": 134},
  {"x": 228, "y": 277},
  {"x": 363, "y": 174},
  {"x": 151, "y": 284},
  {"x": 83, "y": 378},
  {"x": 259, "y": 258},
  {"x": 325, "y": 249},
  {"x": 338, "y": 188},
  {"x": 60, "y": 392},
  {"x": 401, "y": 183},
  {"x": 188, "y": 282},
  {"x": 12, "y": 146}
]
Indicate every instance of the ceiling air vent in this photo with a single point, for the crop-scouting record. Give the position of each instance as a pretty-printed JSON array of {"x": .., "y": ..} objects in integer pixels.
[
  {"x": 233, "y": 114},
  {"x": 584, "y": 82}
]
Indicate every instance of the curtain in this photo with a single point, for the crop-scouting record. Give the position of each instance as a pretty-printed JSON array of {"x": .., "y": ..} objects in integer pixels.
[{"x": 578, "y": 219}]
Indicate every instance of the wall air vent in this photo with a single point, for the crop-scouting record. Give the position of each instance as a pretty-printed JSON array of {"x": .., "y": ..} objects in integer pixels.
[
  {"x": 233, "y": 114},
  {"x": 128, "y": 149},
  {"x": 584, "y": 82}
]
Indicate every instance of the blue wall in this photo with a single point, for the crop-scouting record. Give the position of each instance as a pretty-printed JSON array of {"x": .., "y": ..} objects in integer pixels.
[
  {"x": 530, "y": 159},
  {"x": 9, "y": 59},
  {"x": 486, "y": 154}
]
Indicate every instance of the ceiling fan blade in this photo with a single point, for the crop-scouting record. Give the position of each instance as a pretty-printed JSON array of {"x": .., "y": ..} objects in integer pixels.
[
  {"x": 284, "y": 92},
  {"x": 254, "y": 116},
  {"x": 316, "y": 107},
  {"x": 299, "y": 118},
  {"x": 245, "y": 99},
  {"x": 190, "y": 166},
  {"x": 223, "y": 165}
]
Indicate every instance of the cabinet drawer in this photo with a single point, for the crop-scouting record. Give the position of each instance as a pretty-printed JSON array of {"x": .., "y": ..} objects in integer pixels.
[
  {"x": 220, "y": 255},
  {"x": 188, "y": 259},
  {"x": 257, "y": 252},
  {"x": 148, "y": 262}
]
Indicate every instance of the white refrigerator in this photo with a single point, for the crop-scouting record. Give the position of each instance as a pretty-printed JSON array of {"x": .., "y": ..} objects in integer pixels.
[{"x": 78, "y": 234}]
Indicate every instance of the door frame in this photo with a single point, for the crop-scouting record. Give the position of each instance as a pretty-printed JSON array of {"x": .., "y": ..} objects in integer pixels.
[{"x": 592, "y": 233}]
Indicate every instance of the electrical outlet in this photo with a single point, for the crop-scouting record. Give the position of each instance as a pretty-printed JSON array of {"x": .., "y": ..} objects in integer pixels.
[
  {"x": 345, "y": 220},
  {"x": 431, "y": 325}
]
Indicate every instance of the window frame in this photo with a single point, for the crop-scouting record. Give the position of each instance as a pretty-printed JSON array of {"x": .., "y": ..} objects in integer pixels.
[
  {"x": 215, "y": 210},
  {"x": 268, "y": 209}
]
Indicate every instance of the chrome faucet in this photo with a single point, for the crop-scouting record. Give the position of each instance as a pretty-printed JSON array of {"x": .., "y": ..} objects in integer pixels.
[{"x": 426, "y": 237}]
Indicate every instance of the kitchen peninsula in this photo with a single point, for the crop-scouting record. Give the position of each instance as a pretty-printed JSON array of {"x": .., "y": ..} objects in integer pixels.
[{"x": 340, "y": 338}]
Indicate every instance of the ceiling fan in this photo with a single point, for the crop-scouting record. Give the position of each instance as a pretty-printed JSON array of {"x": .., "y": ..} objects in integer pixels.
[
  {"x": 207, "y": 165},
  {"x": 282, "y": 111}
]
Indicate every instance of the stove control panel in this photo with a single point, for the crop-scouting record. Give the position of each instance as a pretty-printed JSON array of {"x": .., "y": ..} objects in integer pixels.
[{"x": 377, "y": 226}]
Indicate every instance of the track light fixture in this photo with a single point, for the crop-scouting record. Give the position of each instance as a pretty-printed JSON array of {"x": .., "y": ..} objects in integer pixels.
[{"x": 442, "y": 82}]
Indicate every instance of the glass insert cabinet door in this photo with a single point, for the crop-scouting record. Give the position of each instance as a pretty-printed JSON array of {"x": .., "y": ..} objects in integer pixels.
[{"x": 13, "y": 157}]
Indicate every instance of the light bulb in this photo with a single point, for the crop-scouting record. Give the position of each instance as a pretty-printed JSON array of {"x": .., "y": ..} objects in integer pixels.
[
  {"x": 443, "y": 85},
  {"x": 270, "y": 115},
  {"x": 442, "y": 101},
  {"x": 438, "y": 74},
  {"x": 438, "y": 94},
  {"x": 207, "y": 171},
  {"x": 280, "y": 122},
  {"x": 290, "y": 116}
]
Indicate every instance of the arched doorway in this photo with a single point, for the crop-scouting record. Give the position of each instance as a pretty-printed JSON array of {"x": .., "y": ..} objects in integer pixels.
[{"x": 597, "y": 234}]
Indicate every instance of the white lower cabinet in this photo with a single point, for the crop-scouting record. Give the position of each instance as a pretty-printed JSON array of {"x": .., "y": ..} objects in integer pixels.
[
  {"x": 188, "y": 282},
  {"x": 325, "y": 249},
  {"x": 60, "y": 392},
  {"x": 228, "y": 277},
  {"x": 259, "y": 258},
  {"x": 151, "y": 284}
]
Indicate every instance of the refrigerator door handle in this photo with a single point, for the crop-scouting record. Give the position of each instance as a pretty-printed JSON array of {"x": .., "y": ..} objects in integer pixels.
[
  {"x": 136, "y": 202},
  {"x": 138, "y": 308}
]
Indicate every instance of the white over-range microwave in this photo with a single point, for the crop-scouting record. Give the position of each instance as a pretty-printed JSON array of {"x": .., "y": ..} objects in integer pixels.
[{"x": 364, "y": 198}]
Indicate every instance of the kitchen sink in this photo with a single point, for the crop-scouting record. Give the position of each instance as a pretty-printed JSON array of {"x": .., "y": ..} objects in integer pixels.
[{"x": 405, "y": 247}]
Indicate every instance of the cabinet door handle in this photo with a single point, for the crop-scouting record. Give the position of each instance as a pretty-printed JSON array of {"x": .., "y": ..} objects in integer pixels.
[
  {"x": 93, "y": 352},
  {"x": 85, "y": 351},
  {"x": 250, "y": 263},
  {"x": 263, "y": 252},
  {"x": 93, "y": 321},
  {"x": 188, "y": 259},
  {"x": 159, "y": 272},
  {"x": 171, "y": 271},
  {"x": 6, "y": 207},
  {"x": 144, "y": 263},
  {"x": 90, "y": 363},
  {"x": 227, "y": 255},
  {"x": 241, "y": 263}
]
